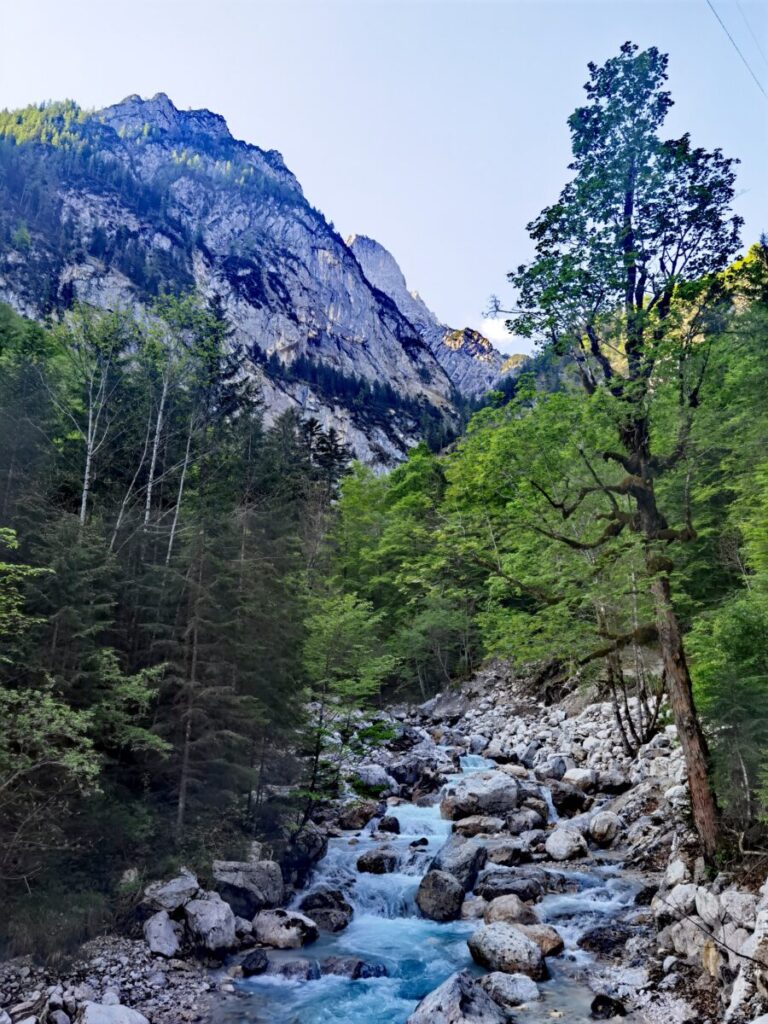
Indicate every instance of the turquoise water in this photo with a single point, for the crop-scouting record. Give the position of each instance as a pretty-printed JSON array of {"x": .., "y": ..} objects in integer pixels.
[{"x": 419, "y": 954}]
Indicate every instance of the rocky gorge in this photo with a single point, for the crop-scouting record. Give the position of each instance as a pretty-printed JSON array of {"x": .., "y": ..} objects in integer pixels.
[{"x": 510, "y": 862}]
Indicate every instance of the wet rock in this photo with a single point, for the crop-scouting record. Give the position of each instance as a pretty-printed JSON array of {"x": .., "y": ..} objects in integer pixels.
[
  {"x": 356, "y": 816},
  {"x": 565, "y": 844},
  {"x": 417, "y": 843},
  {"x": 459, "y": 1000},
  {"x": 211, "y": 923},
  {"x": 509, "y": 852},
  {"x": 503, "y": 947},
  {"x": 510, "y": 990},
  {"x": 327, "y": 908},
  {"x": 503, "y": 882},
  {"x": 604, "y": 827},
  {"x": 172, "y": 895},
  {"x": 256, "y": 962},
  {"x": 295, "y": 970},
  {"x": 440, "y": 896},
  {"x": 492, "y": 792},
  {"x": 249, "y": 886},
  {"x": 284, "y": 929},
  {"x": 568, "y": 799},
  {"x": 462, "y": 858},
  {"x": 510, "y": 909},
  {"x": 604, "y": 1007},
  {"x": 605, "y": 939},
  {"x": 352, "y": 967},
  {"x": 478, "y": 824},
  {"x": 162, "y": 935},
  {"x": 389, "y": 823},
  {"x": 305, "y": 848},
  {"x": 377, "y": 862}
]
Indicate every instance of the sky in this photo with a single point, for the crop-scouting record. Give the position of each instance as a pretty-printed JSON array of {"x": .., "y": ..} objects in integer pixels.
[{"x": 437, "y": 127}]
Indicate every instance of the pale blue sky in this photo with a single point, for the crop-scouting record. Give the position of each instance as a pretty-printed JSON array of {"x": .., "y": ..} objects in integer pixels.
[{"x": 435, "y": 126}]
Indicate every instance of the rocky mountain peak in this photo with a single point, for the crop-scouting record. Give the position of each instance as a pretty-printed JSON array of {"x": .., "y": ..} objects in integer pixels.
[{"x": 134, "y": 115}]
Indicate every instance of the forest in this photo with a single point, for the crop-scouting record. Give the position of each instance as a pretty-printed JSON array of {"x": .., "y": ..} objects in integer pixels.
[{"x": 190, "y": 598}]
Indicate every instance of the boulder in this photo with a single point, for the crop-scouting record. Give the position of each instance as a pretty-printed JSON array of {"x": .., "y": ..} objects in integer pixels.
[
  {"x": 211, "y": 923},
  {"x": 687, "y": 938},
  {"x": 510, "y": 990},
  {"x": 459, "y": 1000},
  {"x": 284, "y": 929},
  {"x": 708, "y": 907},
  {"x": 491, "y": 792},
  {"x": 740, "y": 907},
  {"x": 677, "y": 872},
  {"x": 678, "y": 902},
  {"x": 565, "y": 844},
  {"x": 173, "y": 894},
  {"x": 504, "y": 881},
  {"x": 510, "y": 909},
  {"x": 389, "y": 823},
  {"x": 96, "y": 1013},
  {"x": 604, "y": 827},
  {"x": 567, "y": 799},
  {"x": 525, "y": 819},
  {"x": 375, "y": 779},
  {"x": 300, "y": 969},
  {"x": 381, "y": 861},
  {"x": 256, "y": 962},
  {"x": 161, "y": 934},
  {"x": 327, "y": 908},
  {"x": 604, "y": 1007},
  {"x": 503, "y": 947},
  {"x": 352, "y": 967},
  {"x": 605, "y": 939},
  {"x": 462, "y": 858},
  {"x": 547, "y": 938},
  {"x": 305, "y": 848},
  {"x": 508, "y": 852},
  {"x": 440, "y": 896},
  {"x": 472, "y": 909},
  {"x": 355, "y": 816},
  {"x": 582, "y": 778},
  {"x": 249, "y": 886},
  {"x": 478, "y": 824}
]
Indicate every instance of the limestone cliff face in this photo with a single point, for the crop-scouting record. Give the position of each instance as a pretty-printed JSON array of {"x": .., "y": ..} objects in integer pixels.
[
  {"x": 470, "y": 361},
  {"x": 142, "y": 197}
]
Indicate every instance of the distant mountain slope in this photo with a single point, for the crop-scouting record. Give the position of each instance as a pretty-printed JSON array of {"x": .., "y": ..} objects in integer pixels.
[
  {"x": 115, "y": 206},
  {"x": 470, "y": 360}
]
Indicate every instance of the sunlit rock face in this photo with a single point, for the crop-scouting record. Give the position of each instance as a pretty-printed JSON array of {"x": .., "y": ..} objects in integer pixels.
[
  {"x": 471, "y": 362},
  {"x": 142, "y": 198}
]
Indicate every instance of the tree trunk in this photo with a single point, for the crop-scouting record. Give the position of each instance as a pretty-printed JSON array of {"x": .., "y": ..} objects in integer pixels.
[
  {"x": 155, "y": 449},
  {"x": 689, "y": 731}
]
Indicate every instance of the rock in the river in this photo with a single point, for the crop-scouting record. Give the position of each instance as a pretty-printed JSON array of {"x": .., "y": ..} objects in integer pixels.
[
  {"x": 352, "y": 967},
  {"x": 462, "y": 858},
  {"x": 172, "y": 894},
  {"x": 565, "y": 844},
  {"x": 511, "y": 909},
  {"x": 356, "y": 815},
  {"x": 510, "y": 990},
  {"x": 284, "y": 929},
  {"x": 605, "y": 939},
  {"x": 211, "y": 923},
  {"x": 478, "y": 824},
  {"x": 459, "y": 1000},
  {"x": 503, "y": 947},
  {"x": 305, "y": 848},
  {"x": 96, "y": 1013},
  {"x": 492, "y": 792},
  {"x": 377, "y": 862},
  {"x": 162, "y": 934},
  {"x": 440, "y": 896},
  {"x": 300, "y": 969},
  {"x": 327, "y": 908},
  {"x": 548, "y": 939},
  {"x": 249, "y": 886},
  {"x": 604, "y": 827},
  {"x": 389, "y": 823},
  {"x": 503, "y": 881},
  {"x": 256, "y": 962}
]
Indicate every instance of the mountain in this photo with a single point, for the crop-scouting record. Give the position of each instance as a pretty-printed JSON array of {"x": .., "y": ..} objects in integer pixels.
[
  {"x": 470, "y": 361},
  {"x": 112, "y": 207}
]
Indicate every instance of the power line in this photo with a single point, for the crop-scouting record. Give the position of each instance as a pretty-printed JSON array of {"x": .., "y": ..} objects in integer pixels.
[
  {"x": 736, "y": 48},
  {"x": 751, "y": 31}
]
